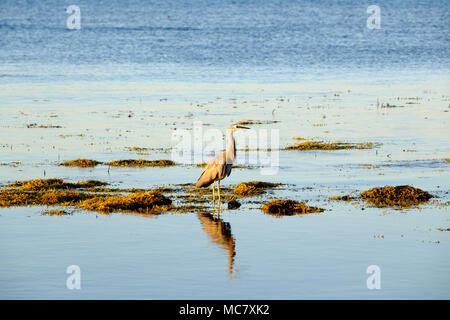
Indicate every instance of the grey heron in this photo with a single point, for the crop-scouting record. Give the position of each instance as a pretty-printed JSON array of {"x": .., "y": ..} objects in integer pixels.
[{"x": 220, "y": 165}]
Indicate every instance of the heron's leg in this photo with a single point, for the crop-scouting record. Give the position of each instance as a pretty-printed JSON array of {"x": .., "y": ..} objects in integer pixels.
[
  {"x": 218, "y": 189},
  {"x": 213, "y": 186}
]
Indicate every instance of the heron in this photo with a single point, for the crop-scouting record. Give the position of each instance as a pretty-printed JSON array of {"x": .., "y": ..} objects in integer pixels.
[{"x": 220, "y": 165}]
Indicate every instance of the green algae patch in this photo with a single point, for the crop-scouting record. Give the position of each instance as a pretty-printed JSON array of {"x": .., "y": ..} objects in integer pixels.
[
  {"x": 140, "y": 202},
  {"x": 288, "y": 208},
  {"x": 398, "y": 196},
  {"x": 56, "y": 213},
  {"x": 54, "y": 183},
  {"x": 141, "y": 163},
  {"x": 253, "y": 188},
  {"x": 82, "y": 163},
  {"x": 323, "y": 145}
]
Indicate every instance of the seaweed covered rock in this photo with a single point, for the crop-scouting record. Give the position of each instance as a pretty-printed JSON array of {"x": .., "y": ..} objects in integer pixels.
[
  {"x": 288, "y": 208},
  {"x": 401, "y": 196},
  {"x": 233, "y": 204}
]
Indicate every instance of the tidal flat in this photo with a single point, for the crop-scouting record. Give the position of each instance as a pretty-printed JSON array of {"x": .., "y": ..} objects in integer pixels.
[{"x": 100, "y": 216}]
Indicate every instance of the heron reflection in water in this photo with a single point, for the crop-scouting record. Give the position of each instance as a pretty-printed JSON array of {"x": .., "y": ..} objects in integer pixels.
[{"x": 220, "y": 232}]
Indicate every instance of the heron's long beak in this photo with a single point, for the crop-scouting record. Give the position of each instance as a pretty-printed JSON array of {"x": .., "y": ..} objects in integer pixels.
[{"x": 241, "y": 127}]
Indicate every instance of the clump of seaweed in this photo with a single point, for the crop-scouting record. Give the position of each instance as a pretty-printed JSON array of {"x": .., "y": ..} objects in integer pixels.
[
  {"x": 342, "y": 198},
  {"x": 83, "y": 163},
  {"x": 55, "y": 183},
  {"x": 44, "y": 126},
  {"x": 288, "y": 208},
  {"x": 137, "y": 149},
  {"x": 65, "y": 198},
  {"x": 141, "y": 202},
  {"x": 141, "y": 163},
  {"x": 387, "y": 105},
  {"x": 17, "y": 197},
  {"x": 10, "y": 198},
  {"x": 252, "y": 188},
  {"x": 323, "y": 145},
  {"x": 249, "y": 122},
  {"x": 56, "y": 213},
  {"x": 90, "y": 197},
  {"x": 443, "y": 229},
  {"x": 447, "y": 159},
  {"x": 11, "y": 164},
  {"x": 399, "y": 196}
]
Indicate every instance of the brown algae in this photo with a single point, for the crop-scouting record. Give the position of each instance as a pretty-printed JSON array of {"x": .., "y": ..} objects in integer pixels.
[
  {"x": 15, "y": 197},
  {"x": 141, "y": 163},
  {"x": 288, "y": 208},
  {"x": 62, "y": 193},
  {"x": 342, "y": 198},
  {"x": 399, "y": 196},
  {"x": 138, "y": 149},
  {"x": 323, "y": 145},
  {"x": 141, "y": 202},
  {"x": 250, "y": 122},
  {"x": 253, "y": 188},
  {"x": 83, "y": 163},
  {"x": 56, "y": 213},
  {"x": 55, "y": 183}
]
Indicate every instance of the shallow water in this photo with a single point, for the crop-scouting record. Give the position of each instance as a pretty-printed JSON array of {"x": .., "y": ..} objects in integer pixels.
[{"x": 134, "y": 94}]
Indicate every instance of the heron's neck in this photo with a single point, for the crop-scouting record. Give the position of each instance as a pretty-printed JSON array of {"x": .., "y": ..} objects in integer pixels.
[{"x": 231, "y": 147}]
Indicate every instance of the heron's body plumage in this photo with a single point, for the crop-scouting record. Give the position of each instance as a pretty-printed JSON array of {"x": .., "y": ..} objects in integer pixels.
[{"x": 220, "y": 165}]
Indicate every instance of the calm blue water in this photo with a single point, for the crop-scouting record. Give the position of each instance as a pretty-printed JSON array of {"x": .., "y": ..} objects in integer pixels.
[{"x": 265, "y": 41}]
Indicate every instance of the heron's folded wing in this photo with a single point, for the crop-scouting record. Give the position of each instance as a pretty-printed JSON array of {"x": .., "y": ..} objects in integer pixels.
[{"x": 213, "y": 171}]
